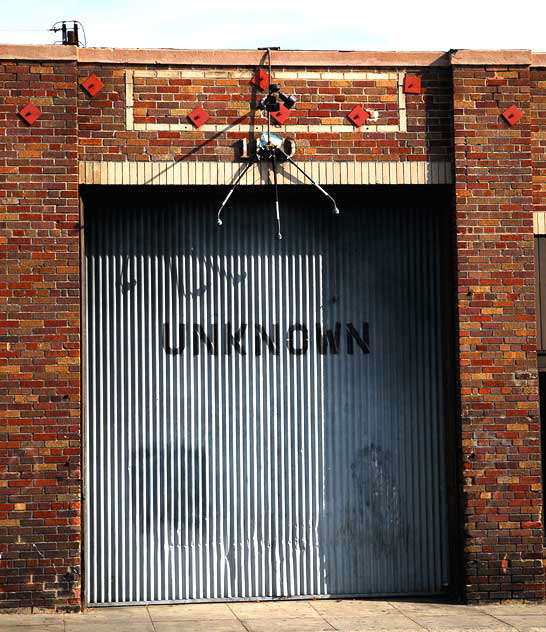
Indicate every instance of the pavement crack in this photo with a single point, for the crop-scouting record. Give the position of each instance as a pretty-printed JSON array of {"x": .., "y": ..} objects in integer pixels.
[
  {"x": 151, "y": 620},
  {"x": 311, "y": 603},
  {"x": 405, "y": 614},
  {"x": 504, "y": 623},
  {"x": 237, "y": 617}
]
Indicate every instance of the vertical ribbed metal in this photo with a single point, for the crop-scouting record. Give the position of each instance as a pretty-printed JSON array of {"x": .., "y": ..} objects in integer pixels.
[{"x": 242, "y": 442}]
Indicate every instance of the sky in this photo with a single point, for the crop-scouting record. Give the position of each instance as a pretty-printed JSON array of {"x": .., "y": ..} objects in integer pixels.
[{"x": 437, "y": 25}]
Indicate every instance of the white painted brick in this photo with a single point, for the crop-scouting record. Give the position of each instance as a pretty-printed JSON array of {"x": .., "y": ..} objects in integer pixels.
[
  {"x": 336, "y": 175},
  {"x": 139, "y": 175},
  {"x": 305, "y": 75},
  {"x": 287, "y": 74},
  {"x": 103, "y": 170},
  {"x": 393, "y": 172},
  {"x": 407, "y": 172},
  {"x": 421, "y": 171},
  {"x": 129, "y": 124},
  {"x": 241, "y": 73},
  {"x": 539, "y": 223},
  {"x": 191, "y": 74},
  {"x": 169, "y": 74},
  {"x": 216, "y": 74},
  {"x": 356, "y": 76},
  {"x": 111, "y": 173},
  {"x": 332, "y": 75},
  {"x": 147, "y": 173},
  {"x": 373, "y": 172},
  {"x": 399, "y": 177},
  {"x": 169, "y": 173},
  {"x": 144, "y": 73},
  {"x": 414, "y": 175}
]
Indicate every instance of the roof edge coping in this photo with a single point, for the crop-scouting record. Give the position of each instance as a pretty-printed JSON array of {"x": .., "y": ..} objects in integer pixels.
[
  {"x": 467, "y": 57},
  {"x": 167, "y": 56},
  {"x": 223, "y": 57}
]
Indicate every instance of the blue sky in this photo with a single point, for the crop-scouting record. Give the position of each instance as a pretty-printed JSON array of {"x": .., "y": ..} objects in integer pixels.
[{"x": 295, "y": 24}]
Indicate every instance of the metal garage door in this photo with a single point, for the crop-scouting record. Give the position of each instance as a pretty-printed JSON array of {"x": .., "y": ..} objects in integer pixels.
[{"x": 264, "y": 418}]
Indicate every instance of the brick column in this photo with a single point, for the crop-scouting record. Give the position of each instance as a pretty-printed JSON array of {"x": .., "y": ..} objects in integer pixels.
[
  {"x": 40, "y": 339},
  {"x": 497, "y": 337}
]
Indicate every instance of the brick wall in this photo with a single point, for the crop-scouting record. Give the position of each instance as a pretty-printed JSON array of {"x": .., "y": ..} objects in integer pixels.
[
  {"x": 40, "y": 339},
  {"x": 496, "y": 300},
  {"x": 164, "y": 97},
  {"x": 497, "y": 170},
  {"x": 538, "y": 137}
]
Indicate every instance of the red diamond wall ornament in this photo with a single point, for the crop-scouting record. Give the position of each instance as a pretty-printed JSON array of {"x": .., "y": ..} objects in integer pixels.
[
  {"x": 260, "y": 79},
  {"x": 282, "y": 114},
  {"x": 512, "y": 115},
  {"x": 412, "y": 85},
  {"x": 199, "y": 116},
  {"x": 92, "y": 85},
  {"x": 358, "y": 116},
  {"x": 30, "y": 113}
]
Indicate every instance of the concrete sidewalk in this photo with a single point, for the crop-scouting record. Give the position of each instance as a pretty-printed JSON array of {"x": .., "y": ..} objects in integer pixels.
[{"x": 289, "y": 616}]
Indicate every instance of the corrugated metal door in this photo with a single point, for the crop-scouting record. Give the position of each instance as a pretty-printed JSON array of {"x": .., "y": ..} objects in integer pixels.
[{"x": 264, "y": 418}]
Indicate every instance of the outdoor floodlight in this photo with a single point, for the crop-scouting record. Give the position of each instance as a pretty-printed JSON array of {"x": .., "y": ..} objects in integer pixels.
[{"x": 270, "y": 102}]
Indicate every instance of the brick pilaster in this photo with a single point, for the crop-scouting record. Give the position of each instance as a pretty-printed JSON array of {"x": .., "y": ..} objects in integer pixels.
[
  {"x": 497, "y": 337},
  {"x": 40, "y": 442}
]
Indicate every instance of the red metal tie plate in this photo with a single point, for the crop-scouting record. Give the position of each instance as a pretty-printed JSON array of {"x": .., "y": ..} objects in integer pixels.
[
  {"x": 358, "y": 116},
  {"x": 30, "y": 113},
  {"x": 260, "y": 79},
  {"x": 512, "y": 115},
  {"x": 92, "y": 85},
  {"x": 412, "y": 84},
  {"x": 199, "y": 116},
  {"x": 281, "y": 116}
]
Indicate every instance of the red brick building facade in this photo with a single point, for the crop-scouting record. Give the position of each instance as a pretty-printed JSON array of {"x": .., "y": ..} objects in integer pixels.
[{"x": 450, "y": 132}]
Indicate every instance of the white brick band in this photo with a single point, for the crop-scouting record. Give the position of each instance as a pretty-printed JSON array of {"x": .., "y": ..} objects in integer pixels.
[
  {"x": 539, "y": 222},
  {"x": 184, "y": 173},
  {"x": 261, "y": 126}
]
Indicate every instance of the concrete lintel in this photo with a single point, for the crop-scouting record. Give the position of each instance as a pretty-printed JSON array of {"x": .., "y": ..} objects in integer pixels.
[{"x": 225, "y": 173}]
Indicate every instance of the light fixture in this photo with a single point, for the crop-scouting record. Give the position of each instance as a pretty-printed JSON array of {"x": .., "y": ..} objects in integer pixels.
[
  {"x": 270, "y": 149},
  {"x": 270, "y": 102},
  {"x": 288, "y": 102}
]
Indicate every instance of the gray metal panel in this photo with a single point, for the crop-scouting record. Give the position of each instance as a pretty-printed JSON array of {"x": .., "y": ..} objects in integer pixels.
[{"x": 232, "y": 451}]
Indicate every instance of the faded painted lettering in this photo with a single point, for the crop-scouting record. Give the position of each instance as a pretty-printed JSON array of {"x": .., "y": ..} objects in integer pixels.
[{"x": 225, "y": 339}]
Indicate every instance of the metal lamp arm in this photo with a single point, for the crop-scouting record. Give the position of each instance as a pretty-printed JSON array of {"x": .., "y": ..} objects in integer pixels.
[
  {"x": 234, "y": 186},
  {"x": 335, "y": 209}
]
